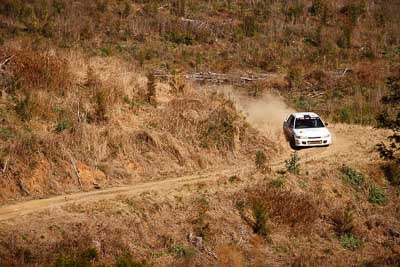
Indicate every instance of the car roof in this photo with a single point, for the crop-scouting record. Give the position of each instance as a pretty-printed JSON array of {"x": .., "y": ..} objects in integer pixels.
[{"x": 302, "y": 114}]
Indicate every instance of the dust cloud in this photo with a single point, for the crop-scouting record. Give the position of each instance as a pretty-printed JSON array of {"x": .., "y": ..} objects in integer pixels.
[{"x": 265, "y": 113}]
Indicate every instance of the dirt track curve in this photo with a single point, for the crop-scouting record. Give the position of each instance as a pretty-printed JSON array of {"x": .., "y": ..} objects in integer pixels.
[
  {"x": 11, "y": 211},
  {"x": 343, "y": 145}
]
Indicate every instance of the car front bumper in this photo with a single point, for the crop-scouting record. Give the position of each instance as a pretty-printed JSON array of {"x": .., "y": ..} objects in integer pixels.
[{"x": 313, "y": 142}]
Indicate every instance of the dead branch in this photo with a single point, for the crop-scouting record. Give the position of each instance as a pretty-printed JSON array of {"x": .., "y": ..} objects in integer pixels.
[
  {"x": 22, "y": 187},
  {"x": 5, "y": 165},
  {"x": 75, "y": 169},
  {"x": 2, "y": 64},
  {"x": 220, "y": 78},
  {"x": 344, "y": 72}
]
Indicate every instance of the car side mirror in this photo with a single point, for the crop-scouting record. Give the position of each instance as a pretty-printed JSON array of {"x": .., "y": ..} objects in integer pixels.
[{"x": 326, "y": 124}]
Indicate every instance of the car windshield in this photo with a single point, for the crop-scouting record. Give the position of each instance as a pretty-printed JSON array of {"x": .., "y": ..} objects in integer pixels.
[{"x": 309, "y": 123}]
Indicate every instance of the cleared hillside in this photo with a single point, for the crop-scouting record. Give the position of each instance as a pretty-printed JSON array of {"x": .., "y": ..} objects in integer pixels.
[{"x": 335, "y": 55}]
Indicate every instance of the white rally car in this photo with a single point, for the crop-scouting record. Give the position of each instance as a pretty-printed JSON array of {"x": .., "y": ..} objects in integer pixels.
[{"x": 305, "y": 129}]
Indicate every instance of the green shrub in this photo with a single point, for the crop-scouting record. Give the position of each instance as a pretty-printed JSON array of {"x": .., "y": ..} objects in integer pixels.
[
  {"x": 86, "y": 259},
  {"x": 343, "y": 221},
  {"x": 260, "y": 217},
  {"x": 182, "y": 251},
  {"x": 345, "y": 115},
  {"x": 64, "y": 261},
  {"x": 278, "y": 182},
  {"x": 90, "y": 254},
  {"x": 63, "y": 125},
  {"x": 292, "y": 164},
  {"x": 5, "y": 133},
  {"x": 352, "y": 176},
  {"x": 349, "y": 241},
  {"x": 376, "y": 195},
  {"x": 105, "y": 52}
]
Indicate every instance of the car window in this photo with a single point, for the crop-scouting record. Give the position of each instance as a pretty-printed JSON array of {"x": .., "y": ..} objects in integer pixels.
[{"x": 309, "y": 123}]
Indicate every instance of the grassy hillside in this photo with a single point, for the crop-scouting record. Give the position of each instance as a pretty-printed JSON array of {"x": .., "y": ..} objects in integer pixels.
[
  {"x": 335, "y": 55},
  {"x": 71, "y": 122},
  {"x": 95, "y": 94}
]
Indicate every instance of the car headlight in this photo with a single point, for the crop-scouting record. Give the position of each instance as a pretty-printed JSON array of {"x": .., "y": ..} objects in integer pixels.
[
  {"x": 301, "y": 137},
  {"x": 326, "y": 136}
]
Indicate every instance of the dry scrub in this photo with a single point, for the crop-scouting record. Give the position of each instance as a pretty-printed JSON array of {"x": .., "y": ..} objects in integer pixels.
[{"x": 74, "y": 121}]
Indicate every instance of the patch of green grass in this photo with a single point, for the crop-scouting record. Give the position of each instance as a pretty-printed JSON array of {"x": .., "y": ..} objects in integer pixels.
[
  {"x": 63, "y": 125},
  {"x": 376, "y": 195},
  {"x": 182, "y": 251},
  {"x": 105, "y": 52},
  {"x": 278, "y": 182},
  {"x": 5, "y": 133},
  {"x": 303, "y": 184},
  {"x": 352, "y": 176},
  {"x": 292, "y": 164},
  {"x": 349, "y": 241}
]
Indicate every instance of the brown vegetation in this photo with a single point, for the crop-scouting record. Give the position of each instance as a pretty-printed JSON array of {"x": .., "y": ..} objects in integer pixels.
[
  {"x": 77, "y": 113},
  {"x": 61, "y": 128}
]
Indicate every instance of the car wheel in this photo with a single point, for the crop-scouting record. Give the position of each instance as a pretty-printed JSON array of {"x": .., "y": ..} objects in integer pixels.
[{"x": 292, "y": 143}]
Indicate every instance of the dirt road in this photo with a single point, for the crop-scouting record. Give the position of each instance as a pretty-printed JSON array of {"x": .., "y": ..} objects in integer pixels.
[
  {"x": 351, "y": 145},
  {"x": 348, "y": 143},
  {"x": 12, "y": 211}
]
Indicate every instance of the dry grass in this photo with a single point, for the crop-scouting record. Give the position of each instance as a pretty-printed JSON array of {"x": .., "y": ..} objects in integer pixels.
[
  {"x": 284, "y": 206},
  {"x": 94, "y": 110}
]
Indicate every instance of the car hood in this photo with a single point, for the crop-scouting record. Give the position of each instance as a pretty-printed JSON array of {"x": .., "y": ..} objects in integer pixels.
[{"x": 312, "y": 132}]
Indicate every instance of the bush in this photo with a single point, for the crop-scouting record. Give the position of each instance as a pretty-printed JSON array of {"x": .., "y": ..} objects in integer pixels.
[
  {"x": 343, "y": 221},
  {"x": 63, "y": 125},
  {"x": 86, "y": 259},
  {"x": 277, "y": 183},
  {"x": 292, "y": 164},
  {"x": 5, "y": 133},
  {"x": 284, "y": 206},
  {"x": 35, "y": 71},
  {"x": 260, "y": 217},
  {"x": 345, "y": 115},
  {"x": 390, "y": 118},
  {"x": 377, "y": 195},
  {"x": 182, "y": 251},
  {"x": 352, "y": 176},
  {"x": 349, "y": 241}
]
